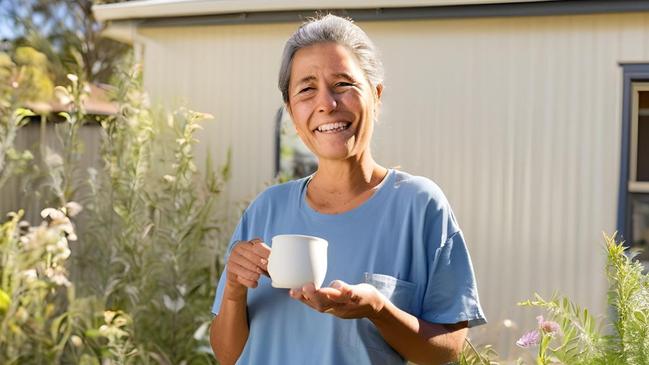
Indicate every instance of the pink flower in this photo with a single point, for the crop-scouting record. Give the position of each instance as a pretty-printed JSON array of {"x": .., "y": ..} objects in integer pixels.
[
  {"x": 550, "y": 327},
  {"x": 529, "y": 339}
]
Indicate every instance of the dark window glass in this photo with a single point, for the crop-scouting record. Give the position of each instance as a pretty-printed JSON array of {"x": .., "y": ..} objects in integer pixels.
[
  {"x": 640, "y": 225},
  {"x": 642, "y": 165}
]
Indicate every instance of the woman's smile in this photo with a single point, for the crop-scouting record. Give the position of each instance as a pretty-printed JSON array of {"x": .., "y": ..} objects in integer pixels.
[{"x": 335, "y": 127}]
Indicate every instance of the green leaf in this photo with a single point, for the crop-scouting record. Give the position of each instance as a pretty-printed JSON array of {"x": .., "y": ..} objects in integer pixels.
[{"x": 5, "y": 302}]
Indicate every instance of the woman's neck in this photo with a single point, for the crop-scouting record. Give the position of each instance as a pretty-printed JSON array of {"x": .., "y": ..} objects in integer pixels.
[
  {"x": 339, "y": 186},
  {"x": 352, "y": 176}
]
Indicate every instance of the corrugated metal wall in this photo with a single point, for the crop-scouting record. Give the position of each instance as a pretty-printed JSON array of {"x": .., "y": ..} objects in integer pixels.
[
  {"x": 517, "y": 119},
  {"x": 28, "y": 192}
]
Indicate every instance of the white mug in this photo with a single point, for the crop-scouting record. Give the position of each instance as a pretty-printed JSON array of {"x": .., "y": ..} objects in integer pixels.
[{"x": 296, "y": 260}]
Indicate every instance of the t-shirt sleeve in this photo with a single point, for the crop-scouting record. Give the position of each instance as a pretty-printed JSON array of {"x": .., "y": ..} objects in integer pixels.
[
  {"x": 451, "y": 294},
  {"x": 238, "y": 235}
]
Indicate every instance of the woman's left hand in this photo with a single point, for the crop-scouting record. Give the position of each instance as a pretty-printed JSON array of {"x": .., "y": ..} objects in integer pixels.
[{"x": 341, "y": 299}]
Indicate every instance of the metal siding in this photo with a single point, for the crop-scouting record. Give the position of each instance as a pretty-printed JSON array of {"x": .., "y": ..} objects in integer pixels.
[
  {"x": 230, "y": 72},
  {"x": 15, "y": 195},
  {"x": 517, "y": 119}
]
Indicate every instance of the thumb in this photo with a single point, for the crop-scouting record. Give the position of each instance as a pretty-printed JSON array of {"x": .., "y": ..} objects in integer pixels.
[
  {"x": 339, "y": 284},
  {"x": 344, "y": 289}
]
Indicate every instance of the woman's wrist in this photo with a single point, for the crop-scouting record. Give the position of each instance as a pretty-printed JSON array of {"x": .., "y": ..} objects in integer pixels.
[
  {"x": 379, "y": 307},
  {"x": 235, "y": 292}
]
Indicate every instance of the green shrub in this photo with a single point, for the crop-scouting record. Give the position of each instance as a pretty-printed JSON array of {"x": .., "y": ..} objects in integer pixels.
[{"x": 140, "y": 277}]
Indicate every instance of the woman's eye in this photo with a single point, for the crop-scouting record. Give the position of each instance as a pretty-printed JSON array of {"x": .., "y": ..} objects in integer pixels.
[
  {"x": 344, "y": 84},
  {"x": 305, "y": 90}
]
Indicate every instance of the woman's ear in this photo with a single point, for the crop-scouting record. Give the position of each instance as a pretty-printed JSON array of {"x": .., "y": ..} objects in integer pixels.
[
  {"x": 377, "y": 102},
  {"x": 379, "y": 91}
]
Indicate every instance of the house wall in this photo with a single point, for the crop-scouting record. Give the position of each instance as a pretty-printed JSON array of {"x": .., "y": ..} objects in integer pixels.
[
  {"x": 28, "y": 191},
  {"x": 517, "y": 119}
]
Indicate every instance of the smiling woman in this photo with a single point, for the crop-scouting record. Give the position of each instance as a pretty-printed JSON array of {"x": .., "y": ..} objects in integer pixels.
[
  {"x": 330, "y": 102},
  {"x": 401, "y": 282}
]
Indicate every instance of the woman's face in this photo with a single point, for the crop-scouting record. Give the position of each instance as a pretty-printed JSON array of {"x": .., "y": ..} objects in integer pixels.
[{"x": 330, "y": 101}]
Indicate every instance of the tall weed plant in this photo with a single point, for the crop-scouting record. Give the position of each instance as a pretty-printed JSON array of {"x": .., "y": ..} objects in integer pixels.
[{"x": 137, "y": 279}]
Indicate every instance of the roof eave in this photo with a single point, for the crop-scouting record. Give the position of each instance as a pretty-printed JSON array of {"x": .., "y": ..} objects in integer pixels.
[{"x": 145, "y": 9}]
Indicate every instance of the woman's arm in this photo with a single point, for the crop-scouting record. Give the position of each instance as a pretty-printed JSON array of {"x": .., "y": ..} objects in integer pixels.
[
  {"x": 247, "y": 262},
  {"x": 415, "y": 339},
  {"x": 233, "y": 320}
]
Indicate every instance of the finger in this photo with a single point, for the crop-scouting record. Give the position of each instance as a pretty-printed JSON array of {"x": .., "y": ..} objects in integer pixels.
[
  {"x": 248, "y": 283},
  {"x": 319, "y": 300},
  {"x": 242, "y": 280},
  {"x": 308, "y": 292},
  {"x": 336, "y": 295},
  {"x": 308, "y": 288},
  {"x": 346, "y": 290},
  {"x": 242, "y": 271},
  {"x": 248, "y": 260},
  {"x": 338, "y": 291},
  {"x": 253, "y": 259},
  {"x": 260, "y": 248},
  {"x": 295, "y": 293},
  {"x": 298, "y": 294}
]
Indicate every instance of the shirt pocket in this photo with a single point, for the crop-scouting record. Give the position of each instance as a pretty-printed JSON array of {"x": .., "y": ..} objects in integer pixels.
[
  {"x": 400, "y": 292},
  {"x": 364, "y": 335}
]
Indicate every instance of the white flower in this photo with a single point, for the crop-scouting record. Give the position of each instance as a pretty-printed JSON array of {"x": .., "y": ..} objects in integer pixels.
[
  {"x": 61, "y": 280},
  {"x": 182, "y": 289},
  {"x": 73, "y": 208},
  {"x": 173, "y": 305},
  {"x": 200, "y": 332},
  {"x": 62, "y": 95},
  {"x": 72, "y": 77},
  {"x": 63, "y": 254},
  {"x": 76, "y": 341},
  {"x": 30, "y": 275},
  {"x": 53, "y": 214}
]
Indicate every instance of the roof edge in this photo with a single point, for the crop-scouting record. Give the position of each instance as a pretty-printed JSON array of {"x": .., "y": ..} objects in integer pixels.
[{"x": 147, "y": 9}]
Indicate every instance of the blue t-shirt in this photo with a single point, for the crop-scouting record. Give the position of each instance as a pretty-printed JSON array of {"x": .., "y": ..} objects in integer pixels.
[{"x": 404, "y": 240}]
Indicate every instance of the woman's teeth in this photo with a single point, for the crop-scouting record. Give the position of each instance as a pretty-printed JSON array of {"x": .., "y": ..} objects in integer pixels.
[{"x": 333, "y": 127}]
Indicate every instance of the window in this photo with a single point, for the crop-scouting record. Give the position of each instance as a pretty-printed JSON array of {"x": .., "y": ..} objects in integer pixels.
[
  {"x": 293, "y": 159},
  {"x": 633, "y": 213}
]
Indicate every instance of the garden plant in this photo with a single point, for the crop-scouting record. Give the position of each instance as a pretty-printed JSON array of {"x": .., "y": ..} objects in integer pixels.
[
  {"x": 572, "y": 336},
  {"x": 120, "y": 266}
]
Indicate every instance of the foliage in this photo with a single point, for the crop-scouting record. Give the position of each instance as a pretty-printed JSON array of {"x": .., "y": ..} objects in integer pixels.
[
  {"x": 577, "y": 338},
  {"x": 41, "y": 320},
  {"x": 19, "y": 81},
  {"x": 139, "y": 282},
  {"x": 154, "y": 221},
  {"x": 68, "y": 34},
  {"x": 484, "y": 355}
]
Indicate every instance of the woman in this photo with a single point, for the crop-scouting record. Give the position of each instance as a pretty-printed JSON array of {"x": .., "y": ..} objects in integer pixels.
[{"x": 402, "y": 286}]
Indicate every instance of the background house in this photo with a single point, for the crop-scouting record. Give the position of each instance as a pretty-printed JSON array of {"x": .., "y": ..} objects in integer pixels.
[{"x": 529, "y": 114}]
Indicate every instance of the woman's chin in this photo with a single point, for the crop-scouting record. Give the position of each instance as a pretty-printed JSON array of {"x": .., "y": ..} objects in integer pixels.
[{"x": 336, "y": 155}]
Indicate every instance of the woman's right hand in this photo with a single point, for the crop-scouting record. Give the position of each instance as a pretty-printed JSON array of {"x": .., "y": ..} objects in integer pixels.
[{"x": 247, "y": 262}]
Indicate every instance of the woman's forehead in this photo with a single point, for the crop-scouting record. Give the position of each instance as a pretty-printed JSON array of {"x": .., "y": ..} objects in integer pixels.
[{"x": 327, "y": 60}]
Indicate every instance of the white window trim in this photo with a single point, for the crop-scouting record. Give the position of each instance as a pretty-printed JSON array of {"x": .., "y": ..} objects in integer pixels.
[{"x": 634, "y": 185}]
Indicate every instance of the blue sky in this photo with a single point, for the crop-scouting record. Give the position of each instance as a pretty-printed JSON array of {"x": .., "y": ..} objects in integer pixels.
[{"x": 5, "y": 31}]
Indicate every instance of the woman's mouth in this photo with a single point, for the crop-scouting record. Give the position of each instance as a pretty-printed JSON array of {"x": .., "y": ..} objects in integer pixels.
[{"x": 333, "y": 127}]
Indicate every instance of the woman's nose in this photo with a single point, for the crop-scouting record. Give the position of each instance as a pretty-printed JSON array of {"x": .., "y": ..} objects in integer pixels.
[{"x": 326, "y": 101}]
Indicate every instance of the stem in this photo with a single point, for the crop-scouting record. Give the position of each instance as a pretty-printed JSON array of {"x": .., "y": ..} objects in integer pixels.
[{"x": 482, "y": 359}]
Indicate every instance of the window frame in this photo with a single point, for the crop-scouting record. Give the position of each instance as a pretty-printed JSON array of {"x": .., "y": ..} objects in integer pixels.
[
  {"x": 636, "y": 186},
  {"x": 635, "y": 79}
]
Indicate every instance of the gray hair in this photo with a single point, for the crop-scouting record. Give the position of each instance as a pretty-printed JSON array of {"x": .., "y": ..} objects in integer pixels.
[{"x": 332, "y": 28}]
